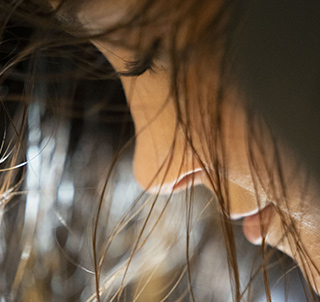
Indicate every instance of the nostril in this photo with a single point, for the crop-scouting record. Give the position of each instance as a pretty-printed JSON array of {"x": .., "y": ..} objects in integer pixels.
[{"x": 189, "y": 179}]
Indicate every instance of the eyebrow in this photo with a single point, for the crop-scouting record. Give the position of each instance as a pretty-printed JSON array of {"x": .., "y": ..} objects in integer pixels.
[{"x": 66, "y": 15}]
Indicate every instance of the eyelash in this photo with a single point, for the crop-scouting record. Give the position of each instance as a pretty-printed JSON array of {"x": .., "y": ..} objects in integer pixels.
[
  {"x": 144, "y": 63},
  {"x": 138, "y": 67}
]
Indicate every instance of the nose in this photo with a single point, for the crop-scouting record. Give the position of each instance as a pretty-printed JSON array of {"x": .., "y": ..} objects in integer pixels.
[
  {"x": 163, "y": 161},
  {"x": 162, "y": 166},
  {"x": 162, "y": 158}
]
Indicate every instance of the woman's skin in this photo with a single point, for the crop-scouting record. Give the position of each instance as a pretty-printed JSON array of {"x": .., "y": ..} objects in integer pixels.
[
  {"x": 155, "y": 121},
  {"x": 163, "y": 160}
]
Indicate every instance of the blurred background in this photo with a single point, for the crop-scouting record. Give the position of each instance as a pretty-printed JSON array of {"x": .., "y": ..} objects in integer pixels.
[{"x": 76, "y": 125}]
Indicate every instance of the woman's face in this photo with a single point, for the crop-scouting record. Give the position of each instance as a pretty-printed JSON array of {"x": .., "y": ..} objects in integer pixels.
[
  {"x": 170, "y": 158},
  {"x": 164, "y": 162}
]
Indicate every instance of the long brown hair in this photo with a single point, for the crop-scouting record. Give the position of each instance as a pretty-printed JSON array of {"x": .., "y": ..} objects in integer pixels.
[{"x": 122, "y": 253}]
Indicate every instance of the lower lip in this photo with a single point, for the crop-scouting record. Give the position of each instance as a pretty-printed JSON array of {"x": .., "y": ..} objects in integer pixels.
[{"x": 255, "y": 227}]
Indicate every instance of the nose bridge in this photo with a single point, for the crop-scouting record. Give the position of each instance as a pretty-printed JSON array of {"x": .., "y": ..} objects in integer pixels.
[{"x": 161, "y": 152}]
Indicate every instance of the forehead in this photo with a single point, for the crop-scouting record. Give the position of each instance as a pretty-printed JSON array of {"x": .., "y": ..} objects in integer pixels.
[
  {"x": 129, "y": 20},
  {"x": 101, "y": 15}
]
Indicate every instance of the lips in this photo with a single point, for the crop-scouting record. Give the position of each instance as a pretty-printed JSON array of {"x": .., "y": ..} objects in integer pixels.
[
  {"x": 255, "y": 226},
  {"x": 255, "y": 223}
]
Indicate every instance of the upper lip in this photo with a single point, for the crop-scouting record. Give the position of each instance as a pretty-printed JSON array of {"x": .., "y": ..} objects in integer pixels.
[
  {"x": 237, "y": 216},
  {"x": 196, "y": 176}
]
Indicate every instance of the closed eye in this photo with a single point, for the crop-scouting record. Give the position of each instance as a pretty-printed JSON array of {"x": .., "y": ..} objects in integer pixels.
[
  {"x": 138, "y": 67},
  {"x": 143, "y": 63}
]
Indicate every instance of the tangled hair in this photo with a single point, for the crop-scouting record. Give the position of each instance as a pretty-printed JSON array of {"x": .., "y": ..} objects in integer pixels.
[{"x": 76, "y": 227}]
